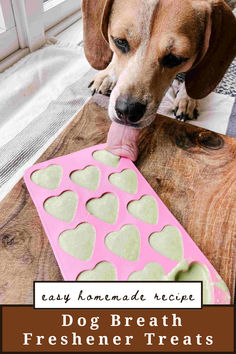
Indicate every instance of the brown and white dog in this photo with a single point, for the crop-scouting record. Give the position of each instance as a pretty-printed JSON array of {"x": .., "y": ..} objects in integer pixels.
[{"x": 141, "y": 45}]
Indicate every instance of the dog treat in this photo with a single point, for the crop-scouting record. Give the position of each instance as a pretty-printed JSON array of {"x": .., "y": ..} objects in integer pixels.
[
  {"x": 197, "y": 271},
  {"x": 186, "y": 271},
  {"x": 104, "y": 208},
  {"x": 107, "y": 158},
  {"x": 102, "y": 271},
  {"x": 151, "y": 271},
  {"x": 62, "y": 207},
  {"x": 168, "y": 242},
  {"x": 126, "y": 180},
  {"x": 105, "y": 222},
  {"x": 79, "y": 242},
  {"x": 88, "y": 178},
  {"x": 125, "y": 243},
  {"x": 144, "y": 209},
  {"x": 48, "y": 178}
]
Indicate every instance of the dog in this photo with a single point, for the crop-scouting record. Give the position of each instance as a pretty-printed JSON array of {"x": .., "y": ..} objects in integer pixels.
[{"x": 140, "y": 46}]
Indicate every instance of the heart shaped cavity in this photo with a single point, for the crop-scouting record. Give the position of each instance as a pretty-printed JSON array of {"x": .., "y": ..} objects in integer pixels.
[
  {"x": 62, "y": 207},
  {"x": 79, "y": 242},
  {"x": 168, "y": 242},
  {"x": 48, "y": 178},
  {"x": 103, "y": 271},
  {"x": 152, "y": 272},
  {"x": 126, "y": 180},
  {"x": 144, "y": 209},
  {"x": 87, "y": 178},
  {"x": 104, "y": 208},
  {"x": 107, "y": 158},
  {"x": 193, "y": 272},
  {"x": 124, "y": 243}
]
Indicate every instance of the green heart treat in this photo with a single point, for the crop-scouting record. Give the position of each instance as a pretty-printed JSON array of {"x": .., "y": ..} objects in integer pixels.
[
  {"x": 168, "y": 242},
  {"x": 152, "y": 271},
  {"x": 126, "y": 180},
  {"x": 104, "y": 208},
  {"x": 124, "y": 243},
  {"x": 193, "y": 272},
  {"x": 49, "y": 177},
  {"x": 144, "y": 209},
  {"x": 62, "y": 207},
  {"x": 102, "y": 271},
  {"x": 87, "y": 178},
  {"x": 107, "y": 158},
  {"x": 79, "y": 242}
]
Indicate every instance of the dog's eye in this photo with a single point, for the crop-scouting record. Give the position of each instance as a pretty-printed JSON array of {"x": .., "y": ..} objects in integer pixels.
[
  {"x": 171, "y": 60},
  {"x": 122, "y": 44}
]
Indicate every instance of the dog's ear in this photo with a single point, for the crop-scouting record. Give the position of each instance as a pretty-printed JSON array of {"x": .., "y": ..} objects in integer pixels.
[
  {"x": 95, "y": 26},
  {"x": 208, "y": 71}
]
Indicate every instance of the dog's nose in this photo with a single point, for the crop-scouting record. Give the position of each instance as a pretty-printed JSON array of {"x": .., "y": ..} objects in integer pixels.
[{"x": 129, "y": 110}]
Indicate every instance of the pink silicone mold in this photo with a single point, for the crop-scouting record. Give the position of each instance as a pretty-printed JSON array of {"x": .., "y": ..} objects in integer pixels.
[{"x": 70, "y": 266}]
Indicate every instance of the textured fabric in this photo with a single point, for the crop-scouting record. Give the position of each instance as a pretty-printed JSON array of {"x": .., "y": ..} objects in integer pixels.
[
  {"x": 231, "y": 130},
  {"x": 228, "y": 84},
  {"x": 40, "y": 95}
]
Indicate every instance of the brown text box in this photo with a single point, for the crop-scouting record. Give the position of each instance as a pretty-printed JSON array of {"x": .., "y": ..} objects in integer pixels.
[{"x": 208, "y": 330}]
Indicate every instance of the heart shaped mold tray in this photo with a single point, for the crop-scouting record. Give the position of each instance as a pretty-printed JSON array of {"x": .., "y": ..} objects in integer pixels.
[{"x": 105, "y": 222}]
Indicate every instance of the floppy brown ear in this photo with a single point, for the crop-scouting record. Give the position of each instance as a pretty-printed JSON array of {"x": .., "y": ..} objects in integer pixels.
[
  {"x": 95, "y": 26},
  {"x": 206, "y": 75}
]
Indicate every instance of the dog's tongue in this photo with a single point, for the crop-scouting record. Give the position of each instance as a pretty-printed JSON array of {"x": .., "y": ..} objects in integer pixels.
[{"x": 123, "y": 141}]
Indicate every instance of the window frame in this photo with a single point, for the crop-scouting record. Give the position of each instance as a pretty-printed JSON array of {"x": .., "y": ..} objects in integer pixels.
[
  {"x": 56, "y": 11},
  {"x": 29, "y": 23},
  {"x": 9, "y": 42}
]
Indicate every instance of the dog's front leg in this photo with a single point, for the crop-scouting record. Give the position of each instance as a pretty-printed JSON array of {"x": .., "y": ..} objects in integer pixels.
[
  {"x": 185, "y": 108},
  {"x": 105, "y": 80}
]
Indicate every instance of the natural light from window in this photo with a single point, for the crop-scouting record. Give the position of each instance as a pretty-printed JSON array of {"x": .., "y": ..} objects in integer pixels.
[
  {"x": 51, "y": 3},
  {"x": 2, "y": 22},
  {"x": 23, "y": 30}
]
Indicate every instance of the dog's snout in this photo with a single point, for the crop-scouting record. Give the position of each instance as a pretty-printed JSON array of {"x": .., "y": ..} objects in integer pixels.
[{"x": 129, "y": 110}]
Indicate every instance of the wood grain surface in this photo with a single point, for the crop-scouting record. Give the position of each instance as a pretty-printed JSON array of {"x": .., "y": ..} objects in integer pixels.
[{"x": 192, "y": 170}]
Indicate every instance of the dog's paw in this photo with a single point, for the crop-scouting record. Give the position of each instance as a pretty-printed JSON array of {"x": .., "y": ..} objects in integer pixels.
[
  {"x": 185, "y": 108},
  {"x": 103, "y": 83}
]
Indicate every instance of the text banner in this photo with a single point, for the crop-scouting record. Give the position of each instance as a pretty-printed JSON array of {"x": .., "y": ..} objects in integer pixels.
[
  {"x": 120, "y": 295},
  {"x": 210, "y": 329}
]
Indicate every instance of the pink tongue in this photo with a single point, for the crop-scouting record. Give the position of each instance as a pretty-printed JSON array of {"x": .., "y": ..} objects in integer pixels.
[{"x": 123, "y": 141}]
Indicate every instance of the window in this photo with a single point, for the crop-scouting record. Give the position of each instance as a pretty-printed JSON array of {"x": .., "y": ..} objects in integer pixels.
[
  {"x": 2, "y": 22},
  {"x": 8, "y": 34},
  {"x": 57, "y": 10},
  {"x": 25, "y": 24}
]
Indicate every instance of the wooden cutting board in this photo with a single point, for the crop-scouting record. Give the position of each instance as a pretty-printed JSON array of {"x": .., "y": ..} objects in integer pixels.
[{"x": 192, "y": 170}]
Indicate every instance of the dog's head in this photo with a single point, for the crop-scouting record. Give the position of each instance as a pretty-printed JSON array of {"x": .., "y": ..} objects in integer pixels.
[{"x": 150, "y": 41}]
